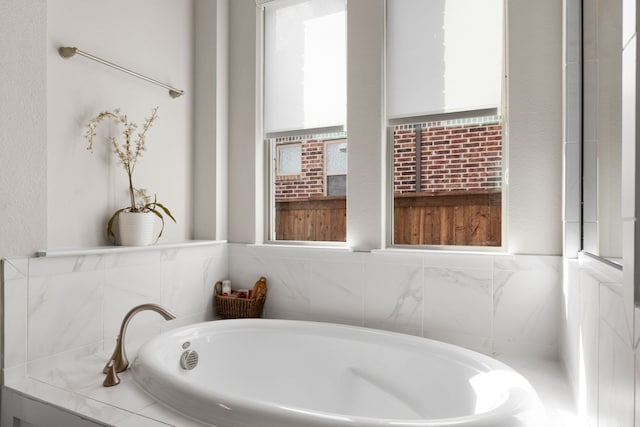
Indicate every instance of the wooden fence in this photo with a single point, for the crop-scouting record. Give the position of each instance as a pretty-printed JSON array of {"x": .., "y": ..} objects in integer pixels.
[
  {"x": 322, "y": 219},
  {"x": 471, "y": 218}
]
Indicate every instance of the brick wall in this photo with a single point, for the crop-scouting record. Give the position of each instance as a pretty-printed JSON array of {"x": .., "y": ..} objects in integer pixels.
[
  {"x": 310, "y": 182},
  {"x": 455, "y": 156},
  {"x": 462, "y": 154}
]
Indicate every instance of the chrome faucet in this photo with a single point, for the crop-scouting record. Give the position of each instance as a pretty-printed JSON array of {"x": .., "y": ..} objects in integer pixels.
[{"x": 118, "y": 361}]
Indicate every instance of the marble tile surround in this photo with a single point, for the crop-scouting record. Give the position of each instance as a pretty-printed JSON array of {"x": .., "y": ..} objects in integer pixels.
[
  {"x": 62, "y": 313},
  {"x": 492, "y": 303},
  {"x": 55, "y": 305}
]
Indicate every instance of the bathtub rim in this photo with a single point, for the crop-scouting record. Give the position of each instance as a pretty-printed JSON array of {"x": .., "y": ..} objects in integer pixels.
[{"x": 518, "y": 401}]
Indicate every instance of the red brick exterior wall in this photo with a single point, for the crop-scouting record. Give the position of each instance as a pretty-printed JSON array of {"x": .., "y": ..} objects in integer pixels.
[
  {"x": 454, "y": 157},
  {"x": 310, "y": 182}
]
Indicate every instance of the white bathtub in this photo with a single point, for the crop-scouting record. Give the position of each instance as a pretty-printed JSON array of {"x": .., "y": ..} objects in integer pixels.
[{"x": 280, "y": 373}]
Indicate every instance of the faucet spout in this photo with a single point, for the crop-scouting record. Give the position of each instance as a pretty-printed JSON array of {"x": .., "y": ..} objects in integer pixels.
[{"x": 119, "y": 359}]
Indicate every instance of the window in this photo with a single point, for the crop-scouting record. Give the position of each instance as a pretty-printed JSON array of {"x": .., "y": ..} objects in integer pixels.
[
  {"x": 289, "y": 159},
  {"x": 336, "y": 168},
  {"x": 304, "y": 119},
  {"x": 444, "y": 103}
]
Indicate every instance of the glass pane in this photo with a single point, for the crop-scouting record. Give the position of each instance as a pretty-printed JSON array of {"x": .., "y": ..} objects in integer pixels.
[
  {"x": 289, "y": 160},
  {"x": 309, "y": 206},
  {"x": 336, "y": 158},
  {"x": 451, "y": 193},
  {"x": 336, "y": 185}
]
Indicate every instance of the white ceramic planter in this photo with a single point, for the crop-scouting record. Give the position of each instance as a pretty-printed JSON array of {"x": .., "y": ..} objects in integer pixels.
[{"x": 136, "y": 228}]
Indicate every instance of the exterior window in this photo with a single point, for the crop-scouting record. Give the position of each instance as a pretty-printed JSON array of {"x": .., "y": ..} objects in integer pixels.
[
  {"x": 445, "y": 121},
  {"x": 304, "y": 119},
  {"x": 451, "y": 193},
  {"x": 289, "y": 160},
  {"x": 336, "y": 168}
]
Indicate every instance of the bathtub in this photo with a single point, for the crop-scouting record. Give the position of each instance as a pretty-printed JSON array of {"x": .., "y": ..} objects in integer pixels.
[{"x": 282, "y": 373}]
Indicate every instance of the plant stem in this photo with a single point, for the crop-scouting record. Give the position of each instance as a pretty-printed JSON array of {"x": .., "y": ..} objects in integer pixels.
[{"x": 133, "y": 199}]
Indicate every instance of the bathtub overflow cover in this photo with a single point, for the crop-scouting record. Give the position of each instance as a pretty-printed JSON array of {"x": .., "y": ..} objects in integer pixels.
[{"x": 189, "y": 360}]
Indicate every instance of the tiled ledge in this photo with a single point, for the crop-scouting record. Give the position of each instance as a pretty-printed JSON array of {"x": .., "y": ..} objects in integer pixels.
[
  {"x": 606, "y": 271},
  {"x": 76, "y": 387},
  {"x": 100, "y": 250}
]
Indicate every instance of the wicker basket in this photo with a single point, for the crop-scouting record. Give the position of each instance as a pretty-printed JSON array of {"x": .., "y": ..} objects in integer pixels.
[{"x": 237, "y": 308}]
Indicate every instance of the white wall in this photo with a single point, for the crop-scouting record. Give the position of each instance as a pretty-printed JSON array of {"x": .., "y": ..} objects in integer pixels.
[
  {"x": 365, "y": 118},
  {"x": 23, "y": 124},
  {"x": 534, "y": 127},
  {"x": 245, "y": 201},
  {"x": 153, "y": 38},
  {"x": 83, "y": 190},
  {"x": 534, "y": 214},
  {"x": 54, "y": 193},
  {"x": 211, "y": 117}
]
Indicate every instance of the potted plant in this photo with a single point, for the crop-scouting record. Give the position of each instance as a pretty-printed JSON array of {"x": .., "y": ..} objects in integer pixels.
[{"x": 136, "y": 221}]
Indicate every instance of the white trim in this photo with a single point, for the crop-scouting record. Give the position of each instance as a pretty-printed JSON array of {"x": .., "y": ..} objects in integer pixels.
[
  {"x": 306, "y": 132},
  {"x": 315, "y": 244},
  {"x": 444, "y": 116},
  {"x": 104, "y": 250}
]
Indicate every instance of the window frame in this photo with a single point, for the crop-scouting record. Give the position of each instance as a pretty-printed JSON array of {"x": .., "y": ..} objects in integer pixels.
[
  {"x": 269, "y": 152},
  {"x": 385, "y": 146},
  {"x": 270, "y": 147},
  {"x": 502, "y": 110}
]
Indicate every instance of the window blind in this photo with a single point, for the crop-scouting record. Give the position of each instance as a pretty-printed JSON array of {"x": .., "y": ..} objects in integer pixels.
[
  {"x": 304, "y": 66},
  {"x": 443, "y": 56}
]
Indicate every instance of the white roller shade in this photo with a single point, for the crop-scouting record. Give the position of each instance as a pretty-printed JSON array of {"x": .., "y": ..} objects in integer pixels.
[
  {"x": 443, "y": 56},
  {"x": 305, "y": 65}
]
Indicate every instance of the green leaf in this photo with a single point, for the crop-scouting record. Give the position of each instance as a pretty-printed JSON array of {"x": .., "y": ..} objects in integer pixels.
[
  {"x": 110, "y": 224},
  {"x": 166, "y": 211},
  {"x": 159, "y": 215}
]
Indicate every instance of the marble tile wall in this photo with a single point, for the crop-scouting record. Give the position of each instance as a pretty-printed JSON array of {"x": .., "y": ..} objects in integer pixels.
[
  {"x": 598, "y": 349},
  {"x": 58, "y": 304},
  {"x": 495, "y": 304}
]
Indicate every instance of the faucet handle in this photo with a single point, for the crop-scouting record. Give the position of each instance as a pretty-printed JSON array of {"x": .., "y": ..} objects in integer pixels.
[
  {"x": 112, "y": 377},
  {"x": 119, "y": 358}
]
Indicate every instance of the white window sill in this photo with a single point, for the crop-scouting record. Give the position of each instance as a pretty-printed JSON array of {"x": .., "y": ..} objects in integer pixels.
[
  {"x": 339, "y": 246},
  {"x": 443, "y": 250},
  {"x": 342, "y": 247}
]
